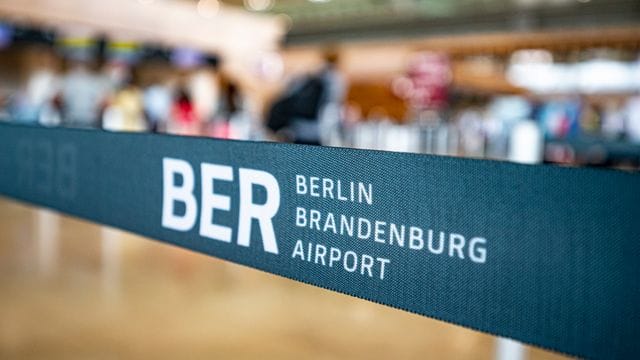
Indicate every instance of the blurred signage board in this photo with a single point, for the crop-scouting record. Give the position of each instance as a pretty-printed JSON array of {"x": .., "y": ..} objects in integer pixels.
[
  {"x": 430, "y": 75},
  {"x": 227, "y": 30}
]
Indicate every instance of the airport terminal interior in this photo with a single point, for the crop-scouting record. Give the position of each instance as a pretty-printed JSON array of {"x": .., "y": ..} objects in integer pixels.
[{"x": 534, "y": 81}]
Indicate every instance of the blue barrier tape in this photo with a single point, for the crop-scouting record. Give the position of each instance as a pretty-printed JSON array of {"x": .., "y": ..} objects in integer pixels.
[{"x": 541, "y": 254}]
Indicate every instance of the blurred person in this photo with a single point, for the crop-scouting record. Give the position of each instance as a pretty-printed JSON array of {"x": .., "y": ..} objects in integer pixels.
[
  {"x": 125, "y": 111},
  {"x": 83, "y": 95},
  {"x": 157, "y": 100},
  {"x": 232, "y": 120},
  {"x": 35, "y": 103},
  {"x": 183, "y": 115},
  {"x": 472, "y": 133},
  {"x": 613, "y": 119},
  {"x": 632, "y": 126},
  {"x": 311, "y": 105},
  {"x": 237, "y": 108},
  {"x": 331, "y": 113},
  {"x": 560, "y": 121},
  {"x": 204, "y": 91},
  {"x": 590, "y": 118}
]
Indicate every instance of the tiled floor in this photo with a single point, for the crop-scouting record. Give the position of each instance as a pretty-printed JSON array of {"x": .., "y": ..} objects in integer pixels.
[{"x": 70, "y": 289}]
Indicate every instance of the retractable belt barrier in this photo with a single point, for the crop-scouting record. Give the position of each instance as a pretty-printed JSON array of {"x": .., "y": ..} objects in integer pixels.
[{"x": 546, "y": 255}]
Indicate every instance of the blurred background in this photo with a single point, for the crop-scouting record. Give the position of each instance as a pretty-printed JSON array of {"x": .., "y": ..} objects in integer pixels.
[{"x": 532, "y": 81}]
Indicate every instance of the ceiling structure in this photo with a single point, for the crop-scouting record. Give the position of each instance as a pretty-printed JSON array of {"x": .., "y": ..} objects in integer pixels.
[
  {"x": 340, "y": 20},
  {"x": 163, "y": 22},
  {"x": 250, "y": 25}
]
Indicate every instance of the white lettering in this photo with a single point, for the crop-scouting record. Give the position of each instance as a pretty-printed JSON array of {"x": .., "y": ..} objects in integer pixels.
[
  {"x": 183, "y": 194},
  {"x": 481, "y": 255},
  {"x": 211, "y": 200},
  {"x": 262, "y": 212},
  {"x": 301, "y": 217},
  {"x": 415, "y": 238},
  {"x": 301, "y": 185}
]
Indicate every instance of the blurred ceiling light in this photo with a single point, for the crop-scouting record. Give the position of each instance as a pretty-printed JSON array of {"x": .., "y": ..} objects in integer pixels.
[
  {"x": 593, "y": 76},
  {"x": 319, "y": 1},
  {"x": 538, "y": 56},
  {"x": 602, "y": 75},
  {"x": 258, "y": 5},
  {"x": 208, "y": 9}
]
